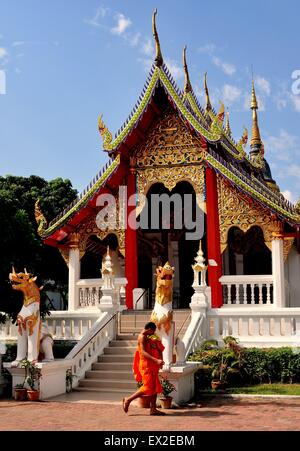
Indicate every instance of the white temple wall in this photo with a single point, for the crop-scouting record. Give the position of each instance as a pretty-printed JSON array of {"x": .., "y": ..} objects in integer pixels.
[{"x": 292, "y": 274}]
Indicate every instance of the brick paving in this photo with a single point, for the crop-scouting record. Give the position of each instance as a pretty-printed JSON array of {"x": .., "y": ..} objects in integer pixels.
[{"x": 221, "y": 414}]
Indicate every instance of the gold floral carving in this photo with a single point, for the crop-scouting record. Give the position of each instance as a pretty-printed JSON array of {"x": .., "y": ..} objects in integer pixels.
[
  {"x": 287, "y": 246},
  {"x": 235, "y": 209},
  {"x": 168, "y": 142},
  {"x": 65, "y": 255},
  {"x": 169, "y": 155},
  {"x": 89, "y": 227}
]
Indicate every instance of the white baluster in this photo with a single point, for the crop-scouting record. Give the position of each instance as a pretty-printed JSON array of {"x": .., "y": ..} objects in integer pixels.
[
  {"x": 72, "y": 328},
  {"x": 237, "y": 293},
  {"x": 260, "y": 287},
  {"x": 245, "y": 293},
  {"x": 63, "y": 327},
  {"x": 229, "y": 293},
  {"x": 252, "y": 294},
  {"x": 268, "y": 285}
]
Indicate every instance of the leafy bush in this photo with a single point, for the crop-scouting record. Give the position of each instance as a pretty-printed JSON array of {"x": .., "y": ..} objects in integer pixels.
[{"x": 247, "y": 365}]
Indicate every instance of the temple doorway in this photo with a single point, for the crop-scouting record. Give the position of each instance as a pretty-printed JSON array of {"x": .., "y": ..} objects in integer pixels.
[{"x": 163, "y": 240}]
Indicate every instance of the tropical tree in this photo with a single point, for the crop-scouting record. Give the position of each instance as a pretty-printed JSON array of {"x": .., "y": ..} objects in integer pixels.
[{"x": 20, "y": 244}]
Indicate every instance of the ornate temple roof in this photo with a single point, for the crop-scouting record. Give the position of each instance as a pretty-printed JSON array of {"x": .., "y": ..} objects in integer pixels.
[{"x": 245, "y": 171}]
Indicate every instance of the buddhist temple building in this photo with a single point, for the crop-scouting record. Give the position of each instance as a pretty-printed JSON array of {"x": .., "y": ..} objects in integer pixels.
[{"x": 170, "y": 144}]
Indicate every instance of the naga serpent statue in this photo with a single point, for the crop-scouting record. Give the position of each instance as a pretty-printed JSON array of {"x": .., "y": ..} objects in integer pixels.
[
  {"x": 30, "y": 331},
  {"x": 162, "y": 314}
]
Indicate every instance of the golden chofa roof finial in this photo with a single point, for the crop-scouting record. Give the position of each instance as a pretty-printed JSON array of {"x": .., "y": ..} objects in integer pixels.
[
  {"x": 158, "y": 55},
  {"x": 255, "y": 136},
  {"x": 208, "y": 106},
  {"x": 227, "y": 125},
  {"x": 187, "y": 83}
]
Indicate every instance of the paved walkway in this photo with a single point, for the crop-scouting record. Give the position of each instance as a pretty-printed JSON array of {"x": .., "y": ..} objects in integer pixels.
[{"x": 221, "y": 414}]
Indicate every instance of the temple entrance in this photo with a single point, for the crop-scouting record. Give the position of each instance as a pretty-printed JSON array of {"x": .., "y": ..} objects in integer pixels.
[{"x": 165, "y": 240}]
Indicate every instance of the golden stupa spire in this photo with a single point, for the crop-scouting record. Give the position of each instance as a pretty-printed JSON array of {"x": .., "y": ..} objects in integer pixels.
[
  {"x": 207, "y": 100},
  {"x": 255, "y": 137},
  {"x": 158, "y": 55},
  {"x": 187, "y": 83},
  {"x": 227, "y": 125}
]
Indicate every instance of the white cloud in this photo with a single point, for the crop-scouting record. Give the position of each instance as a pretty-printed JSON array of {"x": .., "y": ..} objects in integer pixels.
[
  {"x": 289, "y": 196},
  {"x": 18, "y": 43},
  {"x": 227, "y": 68},
  {"x": 174, "y": 68},
  {"x": 95, "y": 21},
  {"x": 264, "y": 85},
  {"x": 296, "y": 102},
  {"x": 147, "y": 63},
  {"x": 294, "y": 170},
  {"x": 3, "y": 52},
  {"x": 122, "y": 24},
  {"x": 231, "y": 93},
  {"x": 208, "y": 48},
  {"x": 282, "y": 147},
  {"x": 147, "y": 47},
  {"x": 134, "y": 39}
]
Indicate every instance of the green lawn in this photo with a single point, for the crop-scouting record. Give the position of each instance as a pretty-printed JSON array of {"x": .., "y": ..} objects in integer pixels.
[{"x": 263, "y": 389}]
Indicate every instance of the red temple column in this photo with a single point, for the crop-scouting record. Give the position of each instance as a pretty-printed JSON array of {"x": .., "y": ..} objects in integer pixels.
[
  {"x": 131, "y": 261},
  {"x": 213, "y": 238}
]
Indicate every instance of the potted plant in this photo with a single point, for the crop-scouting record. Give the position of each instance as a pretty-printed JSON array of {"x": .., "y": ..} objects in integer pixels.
[
  {"x": 33, "y": 376},
  {"x": 20, "y": 392},
  {"x": 167, "y": 389},
  {"x": 144, "y": 401},
  {"x": 219, "y": 374},
  {"x": 69, "y": 380}
]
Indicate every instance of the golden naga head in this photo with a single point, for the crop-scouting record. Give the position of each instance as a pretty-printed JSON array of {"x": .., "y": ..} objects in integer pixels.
[
  {"x": 165, "y": 272},
  {"x": 21, "y": 279}
]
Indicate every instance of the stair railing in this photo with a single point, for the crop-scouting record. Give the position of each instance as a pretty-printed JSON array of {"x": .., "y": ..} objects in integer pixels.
[{"x": 87, "y": 350}]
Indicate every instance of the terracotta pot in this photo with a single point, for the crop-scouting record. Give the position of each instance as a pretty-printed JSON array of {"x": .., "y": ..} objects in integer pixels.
[
  {"x": 144, "y": 402},
  {"x": 33, "y": 395},
  {"x": 166, "y": 402},
  {"x": 218, "y": 385},
  {"x": 20, "y": 394}
]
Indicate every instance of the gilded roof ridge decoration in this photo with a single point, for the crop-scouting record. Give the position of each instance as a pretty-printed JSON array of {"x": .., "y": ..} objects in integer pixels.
[
  {"x": 84, "y": 197},
  {"x": 286, "y": 212}
]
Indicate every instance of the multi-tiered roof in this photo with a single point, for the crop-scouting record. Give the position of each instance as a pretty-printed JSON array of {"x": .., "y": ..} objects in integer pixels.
[{"x": 250, "y": 173}]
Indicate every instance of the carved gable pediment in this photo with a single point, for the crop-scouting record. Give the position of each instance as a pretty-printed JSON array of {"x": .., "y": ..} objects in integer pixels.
[{"x": 168, "y": 142}]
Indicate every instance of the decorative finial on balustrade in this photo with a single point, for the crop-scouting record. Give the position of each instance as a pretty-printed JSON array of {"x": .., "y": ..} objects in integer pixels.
[{"x": 199, "y": 267}]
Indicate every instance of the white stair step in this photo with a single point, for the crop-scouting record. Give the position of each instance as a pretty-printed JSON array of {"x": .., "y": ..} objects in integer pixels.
[
  {"x": 104, "y": 366},
  {"x": 111, "y": 375},
  {"x": 99, "y": 383},
  {"x": 120, "y": 350},
  {"x": 115, "y": 358}
]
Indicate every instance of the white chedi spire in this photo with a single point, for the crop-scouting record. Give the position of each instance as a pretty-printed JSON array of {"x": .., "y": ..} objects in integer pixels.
[{"x": 107, "y": 267}]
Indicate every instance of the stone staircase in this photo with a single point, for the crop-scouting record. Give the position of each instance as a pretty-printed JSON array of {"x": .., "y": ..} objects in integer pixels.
[{"x": 112, "y": 374}]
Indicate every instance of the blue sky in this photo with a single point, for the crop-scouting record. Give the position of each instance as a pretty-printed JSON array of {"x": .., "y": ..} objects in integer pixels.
[{"x": 68, "y": 61}]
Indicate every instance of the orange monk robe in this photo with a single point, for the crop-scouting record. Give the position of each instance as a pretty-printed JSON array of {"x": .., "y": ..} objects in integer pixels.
[{"x": 145, "y": 370}]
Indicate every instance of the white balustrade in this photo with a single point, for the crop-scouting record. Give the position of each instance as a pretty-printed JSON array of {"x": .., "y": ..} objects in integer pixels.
[
  {"x": 92, "y": 344},
  {"x": 63, "y": 325},
  {"x": 70, "y": 325},
  {"x": 247, "y": 290},
  {"x": 90, "y": 291},
  {"x": 259, "y": 327}
]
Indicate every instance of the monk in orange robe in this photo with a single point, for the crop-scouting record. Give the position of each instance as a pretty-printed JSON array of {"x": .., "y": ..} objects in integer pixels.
[{"x": 146, "y": 365}]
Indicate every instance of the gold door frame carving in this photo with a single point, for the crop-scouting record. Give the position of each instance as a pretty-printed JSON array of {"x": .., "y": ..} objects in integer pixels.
[{"x": 237, "y": 210}]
